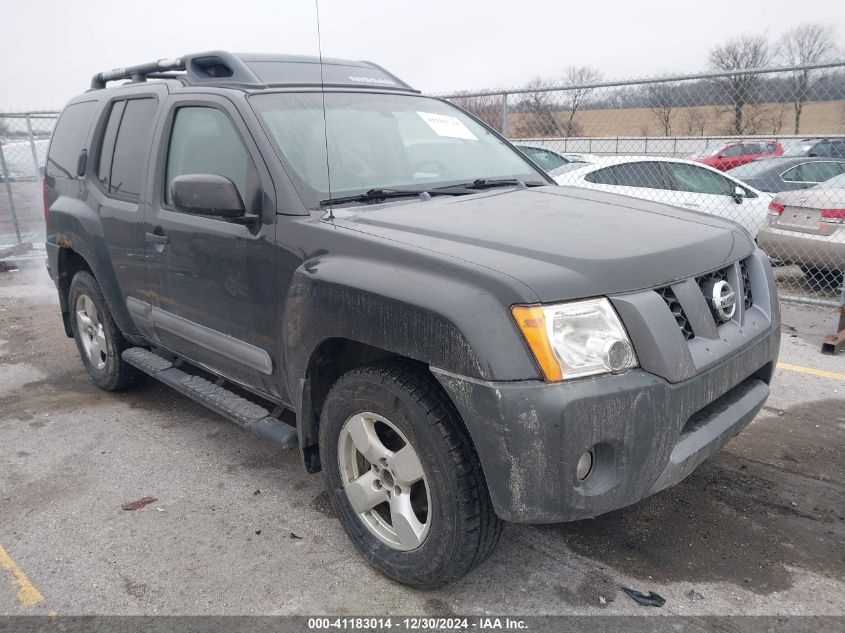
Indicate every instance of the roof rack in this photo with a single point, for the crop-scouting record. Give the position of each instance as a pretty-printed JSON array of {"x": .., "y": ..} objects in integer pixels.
[{"x": 256, "y": 71}]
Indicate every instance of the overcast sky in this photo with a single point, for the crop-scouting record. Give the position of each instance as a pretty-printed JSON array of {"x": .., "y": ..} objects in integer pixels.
[{"x": 51, "y": 48}]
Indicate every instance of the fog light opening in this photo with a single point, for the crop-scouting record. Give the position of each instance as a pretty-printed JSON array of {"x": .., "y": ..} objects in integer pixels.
[{"x": 584, "y": 466}]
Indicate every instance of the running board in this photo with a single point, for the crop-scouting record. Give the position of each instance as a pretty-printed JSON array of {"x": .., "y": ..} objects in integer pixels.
[{"x": 241, "y": 411}]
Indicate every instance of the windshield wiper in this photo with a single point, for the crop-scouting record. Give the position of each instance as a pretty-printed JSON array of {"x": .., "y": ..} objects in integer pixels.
[
  {"x": 376, "y": 195},
  {"x": 490, "y": 183}
]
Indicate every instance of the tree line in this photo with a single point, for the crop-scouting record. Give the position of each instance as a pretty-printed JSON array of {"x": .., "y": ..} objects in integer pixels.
[{"x": 744, "y": 99}]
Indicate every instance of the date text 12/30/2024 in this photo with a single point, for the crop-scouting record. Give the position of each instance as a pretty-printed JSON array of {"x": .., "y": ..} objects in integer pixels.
[{"x": 417, "y": 624}]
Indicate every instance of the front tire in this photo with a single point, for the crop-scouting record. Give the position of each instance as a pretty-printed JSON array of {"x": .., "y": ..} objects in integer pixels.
[
  {"x": 403, "y": 477},
  {"x": 97, "y": 337}
]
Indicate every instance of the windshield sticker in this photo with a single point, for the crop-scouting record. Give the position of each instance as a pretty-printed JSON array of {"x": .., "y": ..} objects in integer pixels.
[{"x": 448, "y": 126}]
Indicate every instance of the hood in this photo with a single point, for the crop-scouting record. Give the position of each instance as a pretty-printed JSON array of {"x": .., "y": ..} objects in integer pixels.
[{"x": 562, "y": 242}]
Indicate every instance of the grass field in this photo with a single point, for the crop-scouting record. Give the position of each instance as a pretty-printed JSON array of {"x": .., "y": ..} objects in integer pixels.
[{"x": 817, "y": 118}]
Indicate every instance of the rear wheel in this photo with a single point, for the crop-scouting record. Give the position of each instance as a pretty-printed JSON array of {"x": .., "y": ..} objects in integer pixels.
[
  {"x": 98, "y": 339},
  {"x": 403, "y": 477}
]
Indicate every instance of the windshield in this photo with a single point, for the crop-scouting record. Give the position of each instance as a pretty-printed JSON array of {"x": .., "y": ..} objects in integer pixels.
[
  {"x": 802, "y": 149},
  {"x": 381, "y": 141},
  {"x": 837, "y": 182},
  {"x": 750, "y": 170}
]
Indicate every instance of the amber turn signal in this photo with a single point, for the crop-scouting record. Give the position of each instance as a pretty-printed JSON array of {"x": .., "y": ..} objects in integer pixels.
[{"x": 532, "y": 323}]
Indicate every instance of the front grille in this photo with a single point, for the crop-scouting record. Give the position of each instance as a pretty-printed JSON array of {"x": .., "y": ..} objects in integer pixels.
[
  {"x": 748, "y": 298},
  {"x": 718, "y": 275},
  {"x": 677, "y": 311}
]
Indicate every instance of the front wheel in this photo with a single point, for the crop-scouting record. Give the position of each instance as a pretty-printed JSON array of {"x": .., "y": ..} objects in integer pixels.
[
  {"x": 403, "y": 477},
  {"x": 98, "y": 338}
]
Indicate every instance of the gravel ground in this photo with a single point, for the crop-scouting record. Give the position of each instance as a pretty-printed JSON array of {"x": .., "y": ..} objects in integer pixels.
[{"x": 239, "y": 527}]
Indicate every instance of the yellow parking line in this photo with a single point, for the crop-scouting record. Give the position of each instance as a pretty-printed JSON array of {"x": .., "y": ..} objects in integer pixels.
[
  {"x": 813, "y": 372},
  {"x": 27, "y": 593}
]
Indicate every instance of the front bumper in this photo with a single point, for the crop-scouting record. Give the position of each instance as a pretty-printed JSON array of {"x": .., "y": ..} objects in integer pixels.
[{"x": 645, "y": 432}]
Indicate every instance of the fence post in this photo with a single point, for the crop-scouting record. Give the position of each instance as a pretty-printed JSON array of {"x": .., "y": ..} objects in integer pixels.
[
  {"x": 836, "y": 343},
  {"x": 32, "y": 144},
  {"x": 505, "y": 114},
  {"x": 6, "y": 179}
]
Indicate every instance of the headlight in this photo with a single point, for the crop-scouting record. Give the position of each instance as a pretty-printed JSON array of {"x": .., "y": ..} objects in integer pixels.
[{"x": 581, "y": 338}]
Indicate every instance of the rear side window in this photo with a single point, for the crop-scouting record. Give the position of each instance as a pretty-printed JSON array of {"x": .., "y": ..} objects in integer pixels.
[
  {"x": 813, "y": 172},
  {"x": 69, "y": 139},
  {"x": 125, "y": 143},
  {"x": 203, "y": 141},
  {"x": 648, "y": 175}
]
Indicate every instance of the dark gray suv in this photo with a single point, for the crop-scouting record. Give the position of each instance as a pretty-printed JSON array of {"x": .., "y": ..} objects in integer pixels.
[{"x": 341, "y": 265}]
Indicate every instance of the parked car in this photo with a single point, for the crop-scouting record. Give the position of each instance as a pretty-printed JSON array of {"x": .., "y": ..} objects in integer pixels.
[
  {"x": 678, "y": 182},
  {"x": 825, "y": 147},
  {"x": 808, "y": 228},
  {"x": 19, "y": 160},
  {"x": 377, "y": 279},
  {"x": 549, "y": 159},
  {"x": 787, "y": 174},
  {"x": 730, "y": 155}
]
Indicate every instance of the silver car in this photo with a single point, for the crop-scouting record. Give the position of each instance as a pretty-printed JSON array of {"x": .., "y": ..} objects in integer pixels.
[{"x": 807, "y": 228}]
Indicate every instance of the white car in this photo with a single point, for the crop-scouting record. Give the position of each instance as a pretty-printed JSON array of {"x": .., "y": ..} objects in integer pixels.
[
  {"x": 682, "y": 183},
  {"x": 19, "y": 160}
]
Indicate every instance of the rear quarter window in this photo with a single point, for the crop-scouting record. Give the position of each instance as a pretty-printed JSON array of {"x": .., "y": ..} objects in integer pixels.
[
  {"x": 69, "y": 139},
  {"x": 130, "y": 147}
]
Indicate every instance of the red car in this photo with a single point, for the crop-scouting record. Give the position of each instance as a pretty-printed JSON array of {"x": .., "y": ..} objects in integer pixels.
[{"x": 735, "y": 153}]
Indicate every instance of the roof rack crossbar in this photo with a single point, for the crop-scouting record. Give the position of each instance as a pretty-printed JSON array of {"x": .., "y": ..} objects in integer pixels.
[{"x": 136, "y": 73}]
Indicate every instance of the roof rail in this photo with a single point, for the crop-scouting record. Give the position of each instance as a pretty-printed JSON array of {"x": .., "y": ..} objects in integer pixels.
[
  {"x": 256, "y": 71},
  {"x": 209, "y": 67},
  {"x": 136, "y": 73}
]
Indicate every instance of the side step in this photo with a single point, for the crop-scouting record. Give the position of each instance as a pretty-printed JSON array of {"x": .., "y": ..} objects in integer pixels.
[{"x": 241, "y": 411}]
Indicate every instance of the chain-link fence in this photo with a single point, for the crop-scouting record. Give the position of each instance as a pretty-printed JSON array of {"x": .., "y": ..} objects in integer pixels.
[
  {"x": 762, "y": 147},
  {"x": 23, "y": 151}
]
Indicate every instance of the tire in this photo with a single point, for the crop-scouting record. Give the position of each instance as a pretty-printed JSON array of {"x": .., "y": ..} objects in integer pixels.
[
  {"x": 461, "y": 528},
  {"x": 97, "y": 337}
]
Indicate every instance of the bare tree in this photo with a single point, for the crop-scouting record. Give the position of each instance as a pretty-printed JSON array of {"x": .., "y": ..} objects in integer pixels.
[
  {"x": 661, "y": 101},
  {"x": 741, "y": 53},
  {"x": 578, "y": 81},
  {"x": 539, "y": 109},
  {"x": 488, "y": 108},
  {"x": 800, "y": 46},
  {"x": 694, "y": 121}
]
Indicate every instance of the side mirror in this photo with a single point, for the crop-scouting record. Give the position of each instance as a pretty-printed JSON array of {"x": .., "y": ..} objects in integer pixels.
[
  {"x": 720, "y": 156},
  {"x": 207, "y": 194},
  {"x": 739, "y": 194}
]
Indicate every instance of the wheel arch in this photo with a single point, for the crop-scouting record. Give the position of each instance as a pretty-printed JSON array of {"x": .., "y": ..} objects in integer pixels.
[
  {"x": 68, "y": 263},
  {"x": 331, "y": 359}
]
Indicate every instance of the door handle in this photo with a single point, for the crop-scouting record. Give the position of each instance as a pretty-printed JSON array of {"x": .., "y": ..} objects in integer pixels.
[{"x": 155, "y": 238}]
